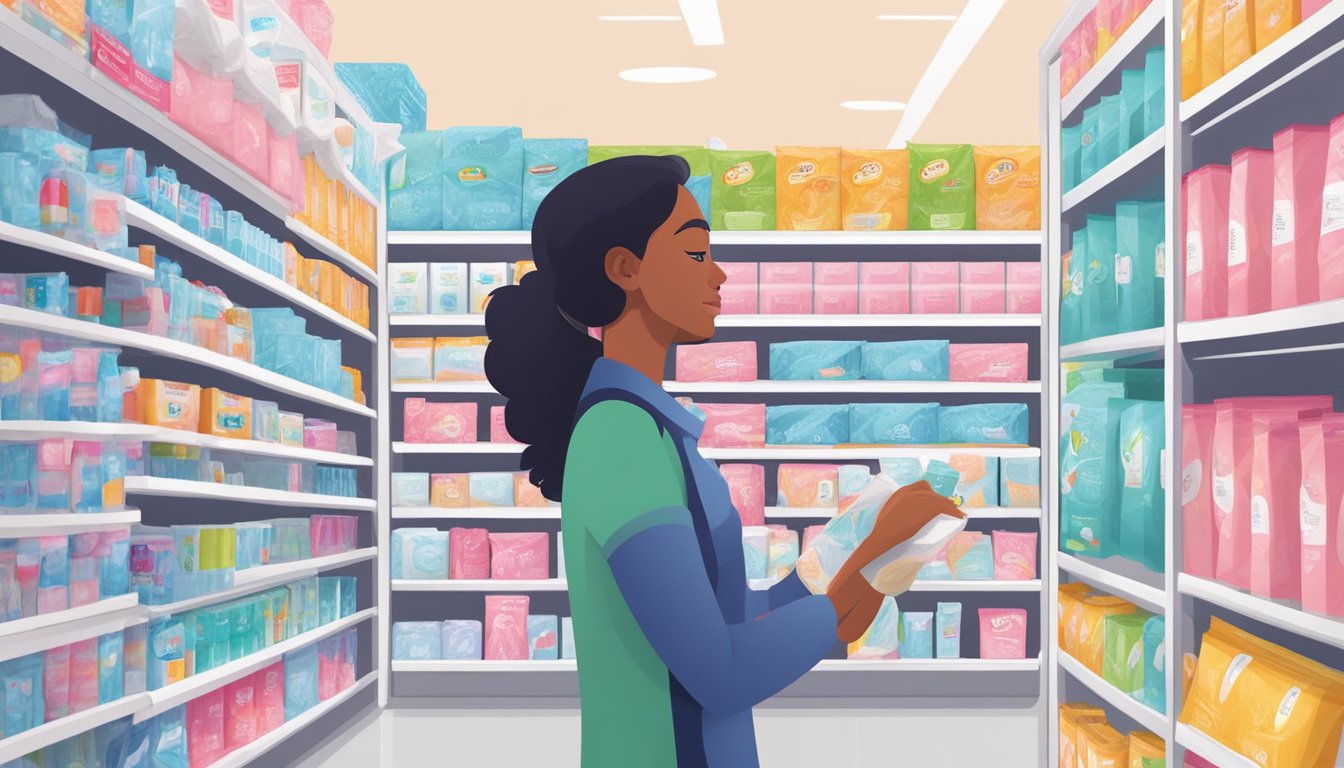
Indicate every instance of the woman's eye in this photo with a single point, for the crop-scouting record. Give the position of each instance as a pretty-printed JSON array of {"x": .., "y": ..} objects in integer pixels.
[{"x": 697, "y": 255}]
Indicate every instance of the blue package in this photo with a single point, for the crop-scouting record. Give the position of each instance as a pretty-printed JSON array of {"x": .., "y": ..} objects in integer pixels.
[
  {"x": 349, "y": 595},
  {"x": 419, "y": 553},
  {"x": 300, "y": 681},
  {"x": 24, "y": 702},
  {"x": 807, "y": 424},
  {"x": 1154, "y": 653},
  {"x": 111, "y": 650},
  {"x": 20, "y": 184},
  {"x": 916, "y": 635},
  {"x": 906, "y": 360},
  {"x": 904, "y": 470},
  {"x": 948, "y": 630},
  {"x": 816, "y": 360},
  {"x": 462, "y": 639},
  {"x": 490, "y": 489},
  {"x": 993, "y": 423},
  {"x": 483, "y": 178},
  {"x": 170, "y": 739},
  {"x": 18, "y": 476},
  {"x": 152, "y": 26},
  {"x": 893, "y": 423},
  {"x": 112, "y": 17},
  {"x": 977, "y": 564},
  {"x": 388, "y": 92},
  {"x": 53, "y": 372},
  {"x": 110, "y": 389},
  {"x": 700, "y": 188},
  {"x": 853, "y": 478},
  {"x": 548, "y": 162},
  {"x": 415, "y": 183},
  {"x": 48, "y": 292},
  {"x": 114, "y": 577},
  {"x": 543, "y": 638},
  {"x": 417, "y": 640}
]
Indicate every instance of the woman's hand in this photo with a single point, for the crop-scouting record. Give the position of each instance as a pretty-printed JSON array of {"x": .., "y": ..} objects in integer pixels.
[{"x": 856, "y": 604}]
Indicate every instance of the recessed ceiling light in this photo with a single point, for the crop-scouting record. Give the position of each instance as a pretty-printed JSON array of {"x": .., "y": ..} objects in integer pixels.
[
  {"x": 702, "y": 19},
  {"x": 870, "y": 105},
  {"x": 917, "y": 17},
  {"x": 668, "y": 74},
  {"x": 639, "y": 18}
]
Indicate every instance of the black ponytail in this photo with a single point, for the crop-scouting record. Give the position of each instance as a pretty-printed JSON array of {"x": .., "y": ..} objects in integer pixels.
[{"x": 537, "y": 358}]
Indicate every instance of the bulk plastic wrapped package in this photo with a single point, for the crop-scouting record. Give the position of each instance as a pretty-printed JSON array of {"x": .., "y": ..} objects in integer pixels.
[{"x": 388, "y": 92}]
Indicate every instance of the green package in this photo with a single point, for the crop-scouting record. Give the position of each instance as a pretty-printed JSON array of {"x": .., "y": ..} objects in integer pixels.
[
  {"x": 742, "y": 195},
  {"x": 1122, "y": 659},
  {"x": 1139, "y": 383},
  {"x": 942, "y": 186},
  {"x": 1131, "y": 108},
  {"x": 696, "y": 157},
  {"x": 1071, "y": 143},
  {"x": 1088, "y": 163},
  {"x": 1154, "y": 91},
  {"x": 1099, "y": 303},
  {"x": 1109, "y": 119},
  {"x": 1071, "y": 292},
  {"x": 1142, "y": 439},
  {"x": 1139, "y": 234},
  {"x": 1084, "y": 524}
]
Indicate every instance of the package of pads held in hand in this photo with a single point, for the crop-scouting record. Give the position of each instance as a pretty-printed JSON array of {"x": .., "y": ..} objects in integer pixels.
[{"x": 893, "y": 571}]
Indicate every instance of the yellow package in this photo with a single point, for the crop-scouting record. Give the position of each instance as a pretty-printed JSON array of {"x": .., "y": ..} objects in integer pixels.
[
  {"x": 807, "y": 188},
  {"x": 1008, "y": 187},
  {"x": 460, "y": 358},
  {"x": 1211, "y": 41},
  {"x": 874, "y": 189},
  {"x": 521, "y": 268},
  {"x": 169, "y": 404},
  {"x": 1106, "y": 32},
  {"x": 224, "y": 414},
  {"x": 448, "y": 490},
  {"x": 66, "y": 15},
  {"x": 1192, "y": 13},
  {"x": 1069, "y": 596},
  {"x": 358, "y": 377},
  {"x": 1273, "y": 18},
  {"x": 1189, "y": 662},
  {"x": 1238, "y": 33},
  {"x": 525, "y": 494},
  {"x": 1101, "y": 746},
  {"x": 1070, "y": 715},
  {"x": 1146, "y": 750},
  {"x": 1092, "y": 629}
]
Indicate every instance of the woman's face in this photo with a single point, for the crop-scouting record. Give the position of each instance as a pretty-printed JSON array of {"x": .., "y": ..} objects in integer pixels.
[{"x": 678, "y": 279}]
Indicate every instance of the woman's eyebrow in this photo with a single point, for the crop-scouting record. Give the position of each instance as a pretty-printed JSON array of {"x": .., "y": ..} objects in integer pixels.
[{"x": 693, "y": 224}]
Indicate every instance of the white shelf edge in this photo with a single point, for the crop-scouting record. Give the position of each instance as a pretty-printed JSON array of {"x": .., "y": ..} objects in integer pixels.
[
  {"x": 1116, "y": 170},
  {"x": 470, "y": 665},
  {"x": 824, "y": 666},
  {"x": 56, "y": 246},
  {"x": 1120, "y": 50},
  {"x": 1150, "y": 597},
  {"x": 823, "y": 453},
  {"x": 787, "y": 321},
  {"x": 143, "y": 218},
  {"x": 974, "y": 513},
  {"x": 65, "y": 523},
  {"x": 1133, "y": 708},
  {"x": 143, "y": 485},
  {"x": 1131, "y": 343},
  {"x": 1316, "y": 315},
  {"x": 61, "y": 621},
  {"x": 164, "y": 347},
  {"x": 330, "y": 249},
  {"x": 264, "y": 577},
  {"x": 1322, "y": 629},
  {"x": 55, "y": 731},
  {"x": 170, "y": 696},
  {"x": 979, "y": 585},
  {"x": 480, "y": 585},
  {"x": 475, "y": 513},
  {"x": 768, "y": 387},
  {"x": 36, "y": 430},
  {"x": 72, "y": 632},
  {"x": 77, "y": 430},
  {"x": 1210, "y": 748},
  {"x": 766, "y": 237},
  {"x": 246, "y": 754}
]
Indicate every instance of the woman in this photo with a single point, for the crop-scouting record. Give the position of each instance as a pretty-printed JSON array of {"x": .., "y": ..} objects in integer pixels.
[{"x": 676, "y": 648}]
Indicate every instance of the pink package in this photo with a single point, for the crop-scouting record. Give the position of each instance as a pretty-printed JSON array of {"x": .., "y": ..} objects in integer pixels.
[
  {"x": 240, "y": 713},
  {"x": 1276, "y": 484},
  {"x": 884, "y": 288},
  {"x": 738, "y": 294},
  {"x": 1322, "y": 514},
  {"x": 270, "y": 698},
  {"x": 427, "y": 422},
  {"x": 314, "y": 19},
  {"x": 56, "y": 597},
  {"x": 1023, "y": 288},
  {"x": 983, "y": 289},
  {"x": 1311, "y": 6},
  {"x": 1014, "y": 555},
  {"x": 786, "y": 273},
  {"x": 251, "y": 143},
  {"x": 786, "y": 288},
  {"x": 520, "y": 555},
  {"x": 1299, "y": 179},
  {"x": 1206, "y": 196},
  {"x": 1251, "y": 211},
  {"x": 499, "y": 433},
  {"x": 988, "y": 362},
  {"x": 1233, "y": 451},
  {"x": 1331, "y": 257},
  {"x": 935, "y": 288},
  {"x": 468, "y": 553},
  {"x": 202, "y": 104},
  {"x": 1087, "y": 43},
  {"x": 319, "y": 434},
  {"x": 1003, "y": 633},
  {"x": 328, "y": 668},
  {"x": 285, "y": 168},
  {"x": 721, "y": 361},
  {"x": 83, "y": 675},
  {"x": 506, "y": 627},
  {"x": 733, "y": 425},
  {"x": 1199, "y": 538},
  {"x": 809, "y": 533},
  {"x": 56, "y": 682},
  {"x": 1195, "y": 761},
  {"x": 205, "y": 729},
  {"x": 836, "y": 290},
  {"x": 746, "y": 487}
]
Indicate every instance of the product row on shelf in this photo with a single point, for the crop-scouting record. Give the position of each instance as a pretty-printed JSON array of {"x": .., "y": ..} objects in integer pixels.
[
  {"x": 1086, "y": 738},
  {"x": 1115, "y": 640},
  {"x": 509, "y": 633},
  {"x": 1117, "y": 123},
  {"x": 1217, "y": 37},
  {"x": 1090, "y": 41},
  {"x": 1114, "y": 274}
]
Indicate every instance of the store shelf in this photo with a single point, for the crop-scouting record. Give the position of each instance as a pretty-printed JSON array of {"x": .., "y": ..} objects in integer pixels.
[
  {"x": 196, "y": 489},
  {"x": 480, "y": 585},
  {"x": 1121, "y": 345},
  {"x": 928, "y": 665},
  {"x": 1133, "y": 708},
  {"x": 75, "y": 430},
  {"x": 332, "y": 250},
  {"x": 1309, "y": 316},
  {"x": 185, "y": 690},
  {"x": 475, "y": 513},
  {"x": 264, "y": 577},
  {"x": 62, "y": 635},
  {"x": 749, "y": 238},
  {"x": 246, "y": 754},
  {"x": 527, "y": 667},
  {"x": 1132, "y": 40},
  {"x": 85, "y": 430},
  {"x": 178, "y": 350},
  {"x": 94, "y": 616},
  {"x": 978, "y": 585},
  {"x": 768, "y": 387},
  {"x": 142, "y": 218},
  {"x": 1119, "y": 577},
  {"x": 56, "y": 731},
  {"x": 1211, "y": 749},
  {"x": 65, "y": 523},
  {"x": 788, "y": 321},
  {"x": 56, "y": 246},
  {"x": 774, "y": 453},
  {"x": 974, "y": 513},
  {"x": 1120, "y": 169},
  {"x": 1289, "y": 617}
]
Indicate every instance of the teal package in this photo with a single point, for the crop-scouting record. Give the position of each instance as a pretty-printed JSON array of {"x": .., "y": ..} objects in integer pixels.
[
  {"x": 1131, "y": 108},
  {"x": 917, "y": 635},
  {"x": 483, "y": 178},
  {"x": 111, "y": 668},
  {"x": 920, "y": 360},
  {"x": 166, "y": 650},
  {"x": 1083, "y": 474},
  {"x": 993, "y": 423},
  {"x": 328, "y": 600},
  {"x": 388, "y": 92},
  {"x": 807, "y": 424},
  {"x": 1071, "y": 298},
  {"x": 300, "y": 681},
  {"x": 893, "y": 423},
  {"x": 1099, "y": 299},
  {"x": 543, "y": 637},
  {"x": 170, "y": 739},
  {"x": 1019, "y": 482},
  {"x": 20, "y": 183},
  {"x": 24, "y": 702},
  {"x": 814, "y": 360},
  {"x": 701, "y": 188},
  {"x": 948, "y": 630},
  {"x": 547, "y": 163},
  {"x": 1154, "y": 90},
  {"x": 942, "y": 478},
  {"x": 904, "y": 471},
  {"x": 152, "y": 26},
  {"x": 1142, "y": 438},
  {"x": 349, "y": 599},
  {"x": 415, "y": 183},
  {"x": 1109, "y": 130},
  {"x": 1071, "y": 148},
  {"x": 1088, "y": 144},
  {"x": 490, "y": 489},
  {"x": 1140, "y": 246},
  {"x": 982, "y": 489},
  {"x": 976, "y": 563},
  {"x": 853, "y": 478},
  {"x": 1139, "y": 383},
  {"x": 410, "y": 489},
  {"x": 1154, "y": 663}
]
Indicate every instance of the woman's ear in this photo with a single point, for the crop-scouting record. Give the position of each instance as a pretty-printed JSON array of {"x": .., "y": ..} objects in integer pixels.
[{"x": 622, "y": 266}]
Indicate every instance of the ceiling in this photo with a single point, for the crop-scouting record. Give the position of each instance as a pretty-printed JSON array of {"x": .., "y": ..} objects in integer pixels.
[{"x": 784, "y": 67}]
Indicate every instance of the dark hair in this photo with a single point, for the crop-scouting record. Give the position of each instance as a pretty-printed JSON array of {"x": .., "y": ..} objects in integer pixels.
[{"x": 537, "y": 358}]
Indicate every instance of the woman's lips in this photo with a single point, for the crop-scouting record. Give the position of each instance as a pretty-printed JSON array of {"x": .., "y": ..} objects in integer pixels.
[{"x": 715, "y": 307}]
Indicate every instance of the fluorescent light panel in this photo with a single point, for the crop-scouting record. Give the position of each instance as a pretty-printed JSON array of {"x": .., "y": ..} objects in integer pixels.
[
  {"x": 871, "y": 105},
  {"x": 702, "y": 19},
  {"x": 639, "y": 18},
  {"x": 961, "y": 39},
  {"x": 917, "y": 17}
]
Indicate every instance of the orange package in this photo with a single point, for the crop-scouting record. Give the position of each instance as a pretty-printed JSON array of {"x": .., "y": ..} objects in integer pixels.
[
  {"x": 1192, "y": 13},
  {"x": 169, "y": 404},
  {"x": 1070, "y": 716},
  {"x": 1238, "y": 33},
  {"x": 1273, "y": 18},
  {"x": 1101, "y": 746},
  {"x": 1146, "y": 750},
  {"x": 1092, "y": 629},
  {"x": 1008, "y": 187},
  {"x": 874, "y": 189},
  {"x": 448, "y": 490},
  {"x": 525, "y": 494},
  {"x": 225, "y": 415},
  {"x": 807, "y": 188},
  {"x": 1070, "y": 595},
  {"x": 1110, "y": 24},
  {"x": 1211, "y": 41},
  {"x": 67, "y": 16},
  {"x": 1189, "y": 662}
]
